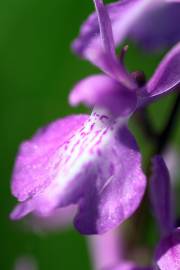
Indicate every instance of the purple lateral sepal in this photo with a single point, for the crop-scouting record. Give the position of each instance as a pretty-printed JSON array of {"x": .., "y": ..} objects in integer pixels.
[
  {"x": 161, "y": 200},
  {"x": 134, "y": 19},
  {"x": 91, "y": 161},
  {"x": 104, "y": 92},
  {"x": 166, "y": 77},
  {"x": 167, "y": 255}
]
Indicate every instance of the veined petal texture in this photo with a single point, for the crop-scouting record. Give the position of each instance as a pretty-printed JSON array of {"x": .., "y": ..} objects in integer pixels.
[{"x": 96, "y": 164}]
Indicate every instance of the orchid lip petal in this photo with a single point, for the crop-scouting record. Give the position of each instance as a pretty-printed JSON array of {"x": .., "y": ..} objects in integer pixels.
[{"x": 88, "y": 169}]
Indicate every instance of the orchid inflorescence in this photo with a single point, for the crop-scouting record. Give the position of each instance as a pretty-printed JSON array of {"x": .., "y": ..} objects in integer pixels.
[{"x": 93, "y": 161}]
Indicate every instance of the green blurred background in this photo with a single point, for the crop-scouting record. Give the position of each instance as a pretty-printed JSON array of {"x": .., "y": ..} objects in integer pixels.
[{"x": 37, "y": 71}]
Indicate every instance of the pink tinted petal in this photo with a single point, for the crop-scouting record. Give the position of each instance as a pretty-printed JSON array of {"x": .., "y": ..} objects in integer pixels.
[
  {"x": 122, "y": 266},
  {"x": 128, "y": 266},
  {"x": 105, "y": 249},
  {"x": 38, "y": 159},
  {"x": 119, "y": 186},
  {"x": 104, "y": 92},
  {"x": 22, "y": 209},
  {"x": 167, "y": 254},
  {"x": 172, "y": 160},
  {"x": 161, "y": 195},
  {"x": 167, "y": 75},
  {"x": 59, "y": 219},
  {"x": 25, "y": 263}
]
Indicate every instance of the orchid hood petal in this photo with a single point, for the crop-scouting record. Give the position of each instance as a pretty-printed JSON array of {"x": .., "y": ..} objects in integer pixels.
[{"x": 104, "y": 92}]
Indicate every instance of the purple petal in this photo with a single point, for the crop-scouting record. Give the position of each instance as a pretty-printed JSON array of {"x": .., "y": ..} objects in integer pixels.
[
  {"x": 41, "y": 162},
  {"x": 105, "y": 249},
  {"x": 97, "y": 158},
  {"x": 105, "y": 28},
  {"x": 120, "y": 13},
  {"x": 105, "y": 92},
  {"x": 22, "y": 209},
  {"x": 166, "y": 77},
  {"x": 128, "y": 266},
  {"x": 118, "y": 188},
  {"x": 107, "y": 252},
  {"x": 167, "y": 255},
  {"x": 97, "y": 45},
  {"x": 161, "y": 195},
  {"x": 135, "y": 19}
]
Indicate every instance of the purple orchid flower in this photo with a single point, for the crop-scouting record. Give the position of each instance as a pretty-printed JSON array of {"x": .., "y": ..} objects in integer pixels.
[
  {"x": 93, "y": 162},
  {"x": 154, "y": 24},
  {"x": 118, "y": 91},
  {"x": 167, "y": 252}
]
